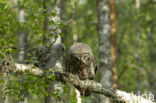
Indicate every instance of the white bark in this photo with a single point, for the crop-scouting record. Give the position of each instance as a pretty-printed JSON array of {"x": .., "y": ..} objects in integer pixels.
[
  {"x": 105, "y": 62},
  {"x": 78, "y": 96}
]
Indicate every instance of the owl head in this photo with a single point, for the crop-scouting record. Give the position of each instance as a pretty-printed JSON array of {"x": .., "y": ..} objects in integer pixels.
[
  {"x": 81, "y": 61},
  {"x": 58, "y": 49}
]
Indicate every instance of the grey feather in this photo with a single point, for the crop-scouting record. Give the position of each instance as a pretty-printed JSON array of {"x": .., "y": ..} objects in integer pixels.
[{"x": 47, "y": 57}]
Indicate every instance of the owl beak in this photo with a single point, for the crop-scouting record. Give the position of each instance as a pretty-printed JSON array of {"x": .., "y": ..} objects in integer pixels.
[{"x": 83, "y": 61}]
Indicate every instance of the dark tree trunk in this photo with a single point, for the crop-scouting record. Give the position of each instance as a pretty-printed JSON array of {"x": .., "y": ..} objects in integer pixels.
[
  {"x": 45, "y": 24},
  {"x": 138, "y": 46},
  {"x": 151, "y": 73}
]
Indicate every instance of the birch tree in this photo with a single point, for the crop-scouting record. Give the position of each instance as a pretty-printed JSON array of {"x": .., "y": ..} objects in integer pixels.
[
  {"x": 52, "y": 35},
  {"x": 105, "y": 61}
]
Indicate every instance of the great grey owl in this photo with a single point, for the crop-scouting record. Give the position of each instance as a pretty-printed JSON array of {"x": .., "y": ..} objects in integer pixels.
[
  {"x": 46, "y": 57},
  {"x": 81, "y": 62}
]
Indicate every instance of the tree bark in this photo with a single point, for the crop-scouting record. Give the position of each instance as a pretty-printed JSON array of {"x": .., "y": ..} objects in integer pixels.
[
  {"x": 151, "y": 73},
  {"x": 74, "y": 22},
  {"x": 113, "y": 41},
  {"x": 55, "y": 31},
  {"x": 105, "y": 62},
  {"x": 45, "y": 24},
  {"x": 22, "y": 42}
]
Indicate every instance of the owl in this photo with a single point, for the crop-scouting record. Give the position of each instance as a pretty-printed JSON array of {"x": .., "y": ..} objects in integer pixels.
[
  {"x": 81, "y": 62},
  {"x": 47, "y": 57}
]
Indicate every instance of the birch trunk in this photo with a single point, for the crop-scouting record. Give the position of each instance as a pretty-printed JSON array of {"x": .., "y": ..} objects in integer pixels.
[
  {"x": 56, "y": 38},
  {"x": 105, "y": 62},
  {"x": 22, "y": 43}
]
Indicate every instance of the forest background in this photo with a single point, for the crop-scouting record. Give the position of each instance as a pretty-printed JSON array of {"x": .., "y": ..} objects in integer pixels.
[{"x": 23, "y": 26}]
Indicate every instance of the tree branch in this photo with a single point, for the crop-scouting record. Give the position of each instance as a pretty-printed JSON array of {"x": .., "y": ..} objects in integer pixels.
[{"x": 117, "y": 95}]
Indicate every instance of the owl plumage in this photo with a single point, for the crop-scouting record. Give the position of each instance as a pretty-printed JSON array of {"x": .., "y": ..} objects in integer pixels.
[
  {"x": 47, "y": 57},
  {"x": 81, "y": 62}
]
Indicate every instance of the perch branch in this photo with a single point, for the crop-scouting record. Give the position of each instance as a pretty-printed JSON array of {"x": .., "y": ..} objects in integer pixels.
[{"x": 117, "y": 95}]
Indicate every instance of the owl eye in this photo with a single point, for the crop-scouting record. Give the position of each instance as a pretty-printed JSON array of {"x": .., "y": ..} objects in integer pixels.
[
  {"x": 85, "y": 58},
  {"x": 62, "y": 49}
]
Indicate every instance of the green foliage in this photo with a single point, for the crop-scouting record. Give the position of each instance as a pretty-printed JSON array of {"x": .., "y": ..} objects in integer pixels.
[
  {"x": 83, "y": 23},
  {"x": 19, "y": 86},
  {"x": 8, "y": 25},
  {"x": 27, "y": 83},
  {"x": 127, "y": 43}
]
